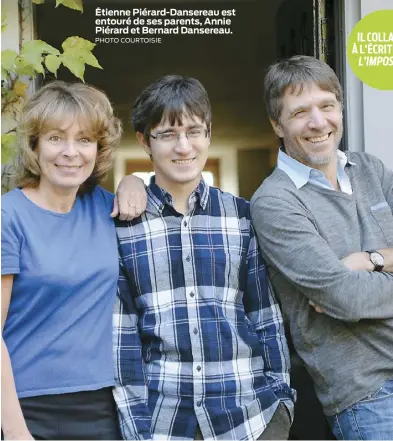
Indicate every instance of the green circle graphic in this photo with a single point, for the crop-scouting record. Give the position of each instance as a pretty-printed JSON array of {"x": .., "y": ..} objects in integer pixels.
[{"x": 370, "y": 49}]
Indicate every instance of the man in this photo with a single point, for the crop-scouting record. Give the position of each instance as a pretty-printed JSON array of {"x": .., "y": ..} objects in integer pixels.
[
  {"x": 200, "y": 351},
  {"x": 324, "y": 220}
]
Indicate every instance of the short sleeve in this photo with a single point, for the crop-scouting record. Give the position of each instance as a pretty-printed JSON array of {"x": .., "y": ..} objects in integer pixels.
[
  {"x": 106, "y": 197},
  {"x": 10, "y": 246}
]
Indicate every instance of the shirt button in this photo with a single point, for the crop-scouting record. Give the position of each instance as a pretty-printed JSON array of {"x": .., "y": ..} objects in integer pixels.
[
  {"x": 188, "y": 258},
  {"x": 192, "y": 294},
  {"x": 185, "y": 223},
  {"x": 198, "y": 368},
  {"x": 196, "y": 332},
  {"x": 199, "y": 403}
]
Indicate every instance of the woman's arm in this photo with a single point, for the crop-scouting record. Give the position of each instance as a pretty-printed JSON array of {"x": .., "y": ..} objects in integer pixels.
[
  {"x": 12, "y": 420},
  {"x": 130, "y": 198}
]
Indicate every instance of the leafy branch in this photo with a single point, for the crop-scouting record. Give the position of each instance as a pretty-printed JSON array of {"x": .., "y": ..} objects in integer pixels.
[
  {"x": 73, "y": 4},
  {"x": 37, "y": 57}
]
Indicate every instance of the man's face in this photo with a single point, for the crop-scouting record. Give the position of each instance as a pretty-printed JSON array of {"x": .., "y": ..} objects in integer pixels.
[
  {"x": 311, "y": 125},
  {"x": 178, "y": 161}
]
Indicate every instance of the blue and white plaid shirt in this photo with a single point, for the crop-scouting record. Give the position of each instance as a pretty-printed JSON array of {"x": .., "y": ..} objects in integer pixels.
[{"x": 198, "y": 334}]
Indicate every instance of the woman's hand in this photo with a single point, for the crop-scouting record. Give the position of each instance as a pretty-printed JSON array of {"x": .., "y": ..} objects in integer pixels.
[{"x": 130, "y": 199}]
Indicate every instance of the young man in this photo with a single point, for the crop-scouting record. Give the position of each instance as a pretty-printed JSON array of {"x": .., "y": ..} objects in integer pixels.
[
  {"x": 324, "y": 219},
  {"x": 200, "y": 350}
]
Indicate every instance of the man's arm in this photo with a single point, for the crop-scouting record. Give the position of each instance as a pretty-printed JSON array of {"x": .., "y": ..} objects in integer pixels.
[
  {"x": 265, "y": 316},
  {"x": 291, "y": 244},
  {"x": 130, "y": 198},
  {"x": 386, "y": 176},
  {"x": 130, "y": 392},
  {"x": 361, "y": 261}
]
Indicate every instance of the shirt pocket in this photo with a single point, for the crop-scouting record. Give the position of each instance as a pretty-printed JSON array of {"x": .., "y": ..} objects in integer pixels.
[
  {"x": 384, "y": 218},
  {"x": 227, "y": 276}
]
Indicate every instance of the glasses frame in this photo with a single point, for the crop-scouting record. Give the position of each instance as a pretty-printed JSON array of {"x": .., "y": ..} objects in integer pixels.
[{"x": 155, "y": 137}]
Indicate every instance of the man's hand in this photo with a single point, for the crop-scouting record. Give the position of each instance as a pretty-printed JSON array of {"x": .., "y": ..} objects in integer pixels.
[
  {"x": 361, "y": 261},
  {"x": 130, "y": 199},
  {"x": 316, "y": 307},
  {"x": 358, "y": 262}
]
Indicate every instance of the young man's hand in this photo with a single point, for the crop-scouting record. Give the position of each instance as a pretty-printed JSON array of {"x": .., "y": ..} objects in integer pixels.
[{"x": 130, "y": 199}]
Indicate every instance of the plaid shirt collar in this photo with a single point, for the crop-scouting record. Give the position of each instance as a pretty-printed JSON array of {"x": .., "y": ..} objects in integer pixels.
[{"x": 159, "y": 197}]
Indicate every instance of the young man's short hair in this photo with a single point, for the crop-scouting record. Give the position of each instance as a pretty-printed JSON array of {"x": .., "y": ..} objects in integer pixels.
[{"x": 169, "y": 98}]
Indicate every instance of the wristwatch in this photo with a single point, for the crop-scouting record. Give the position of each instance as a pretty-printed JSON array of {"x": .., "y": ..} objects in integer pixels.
[{"x": 376, "y": 259}]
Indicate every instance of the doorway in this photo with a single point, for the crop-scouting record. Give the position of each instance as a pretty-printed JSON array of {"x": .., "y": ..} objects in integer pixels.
[{"x": 231, "y": 67}]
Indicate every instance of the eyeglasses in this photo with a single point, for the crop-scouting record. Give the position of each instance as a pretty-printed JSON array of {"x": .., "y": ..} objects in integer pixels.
[{"x": 173, "y": 137}]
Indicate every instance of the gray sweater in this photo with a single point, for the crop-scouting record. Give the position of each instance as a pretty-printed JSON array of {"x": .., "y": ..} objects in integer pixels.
[{"x": 303, "y": 234}]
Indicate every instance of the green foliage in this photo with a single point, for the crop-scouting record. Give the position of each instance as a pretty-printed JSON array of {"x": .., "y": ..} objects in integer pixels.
[
  {"x": 35, "y": 57},
  {"x": 52, "y": 63},
  {"x": 8, "y": 141},
  {"x": 3, "y": 22},
  {"x": 8, "y": 58},
  {"x": 73, "y": 4}
]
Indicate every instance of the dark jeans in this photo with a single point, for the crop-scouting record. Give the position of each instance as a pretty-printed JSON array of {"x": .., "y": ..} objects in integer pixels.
[
  {"x": 277, "y": 428},
  {"x": 79, "y": 415}
]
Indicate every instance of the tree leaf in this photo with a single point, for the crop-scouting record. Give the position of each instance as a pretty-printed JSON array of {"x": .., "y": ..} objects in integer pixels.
[
  {"x": 8, "y": 143},
  {"x": 89, "y": 58},
  {"x": 77, "y": 43},
  {"x": 32, "y": 60},
  {"x": 38, "y": 2},
  {"x": 38, "y": 47},
  {"x": 20, "y": 88},
  {"x": 8, "y": 58},
  {"x": 74, "y": 64},
  {"x": 31, "y": 55},
  {"x": 23, "y": 67},
  {"x": 52, "y": 62},
  {"x": 72, "y": 4}
]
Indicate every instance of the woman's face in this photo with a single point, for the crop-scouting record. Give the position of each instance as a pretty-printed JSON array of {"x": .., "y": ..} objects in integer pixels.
[{"x": 66, "y": 155}]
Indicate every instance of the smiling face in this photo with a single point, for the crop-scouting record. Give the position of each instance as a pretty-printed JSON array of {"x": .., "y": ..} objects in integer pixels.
[
  {"x": 66, "y": 155},
  {"x": 178, "y": 162},
  {"x": 310, "y": 125}
]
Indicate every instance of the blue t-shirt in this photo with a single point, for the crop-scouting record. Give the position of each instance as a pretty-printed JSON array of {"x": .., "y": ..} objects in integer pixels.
[{"x": 59, "y": 325}]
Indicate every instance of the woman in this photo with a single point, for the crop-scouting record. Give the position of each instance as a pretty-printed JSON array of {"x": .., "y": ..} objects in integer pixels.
[{"x": 59, "y": 270}]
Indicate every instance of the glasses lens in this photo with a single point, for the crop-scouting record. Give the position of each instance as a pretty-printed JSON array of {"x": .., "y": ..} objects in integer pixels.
[
  {"x": 171, "y": 137},
  {"x": 167, "y": 137},
  {"x": 195, "y": 133}
]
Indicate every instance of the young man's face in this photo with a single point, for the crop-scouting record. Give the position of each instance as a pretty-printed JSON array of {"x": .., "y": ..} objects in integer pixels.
[
  {"x": 311, "y": 125},
  {"x": 178, "y": 162}
]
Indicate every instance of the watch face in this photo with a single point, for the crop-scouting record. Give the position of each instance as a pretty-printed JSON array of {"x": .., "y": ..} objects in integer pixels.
[{"x": 377, "y": 259}]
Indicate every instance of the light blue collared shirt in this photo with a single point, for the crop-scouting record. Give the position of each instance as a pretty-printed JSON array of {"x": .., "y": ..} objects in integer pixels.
[{"x": 300, "y": 174}]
